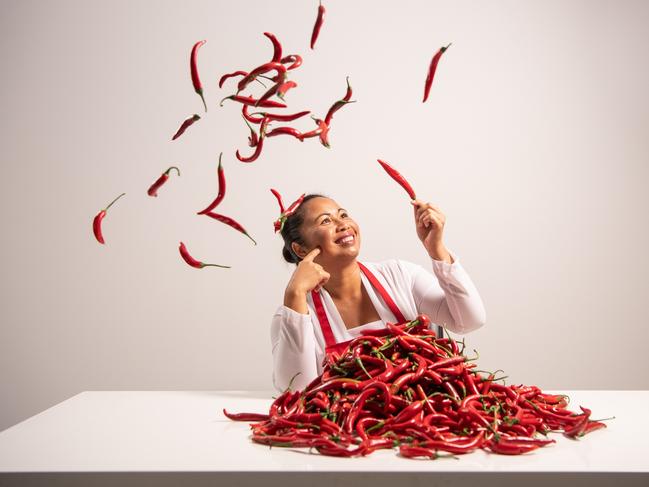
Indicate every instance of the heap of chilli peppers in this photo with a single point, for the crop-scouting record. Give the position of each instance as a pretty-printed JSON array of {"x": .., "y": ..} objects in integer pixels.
[
  {"x": 278, "y": 66},
  {"x": 403, "y": 387}
]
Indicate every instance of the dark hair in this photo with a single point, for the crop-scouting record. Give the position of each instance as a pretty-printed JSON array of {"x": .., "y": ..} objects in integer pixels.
[{"x": 291, "y": 231}]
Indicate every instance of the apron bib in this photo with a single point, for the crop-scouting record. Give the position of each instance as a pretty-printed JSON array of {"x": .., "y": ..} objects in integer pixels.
[{"x": 330, "y": 342}]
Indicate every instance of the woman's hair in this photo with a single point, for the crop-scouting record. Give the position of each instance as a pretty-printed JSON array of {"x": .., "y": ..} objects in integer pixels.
[{"x": 291, "y": 231}]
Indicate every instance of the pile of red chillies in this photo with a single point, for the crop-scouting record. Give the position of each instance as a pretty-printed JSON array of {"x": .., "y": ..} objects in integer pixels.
[{"x": 403, "y": 387}]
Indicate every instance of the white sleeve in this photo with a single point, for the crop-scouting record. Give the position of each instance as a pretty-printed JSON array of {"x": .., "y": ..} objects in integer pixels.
[
  {"x": 449, "y": 297},
  {"x": 294, "y": 349}
]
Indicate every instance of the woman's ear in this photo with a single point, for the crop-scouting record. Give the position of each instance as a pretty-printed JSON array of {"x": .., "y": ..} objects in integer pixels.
[{"x": 298, "y": 250}]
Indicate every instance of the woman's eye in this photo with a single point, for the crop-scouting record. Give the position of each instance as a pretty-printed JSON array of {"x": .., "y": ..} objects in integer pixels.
[
  {"x": 345, "y": 215},
  {"x": 324, "y": 220}
]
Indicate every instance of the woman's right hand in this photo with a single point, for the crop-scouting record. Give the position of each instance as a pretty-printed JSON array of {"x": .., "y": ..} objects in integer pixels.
[{"x": 309, "y": 275}]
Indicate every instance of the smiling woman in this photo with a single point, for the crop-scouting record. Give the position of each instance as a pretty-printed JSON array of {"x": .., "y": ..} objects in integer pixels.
[{"x": 332, "y": 297}]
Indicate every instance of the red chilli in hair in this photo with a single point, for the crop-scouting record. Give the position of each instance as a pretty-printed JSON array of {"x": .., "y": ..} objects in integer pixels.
[
  {"x": 318, "y": 24},
  {"x": 285, "y": 213},
  {"x": 394, "y": 174},
  {"x": 193, "y": 262},
  {"x": 221, "y": 193},
  {"x": 187, "y": 123},
  {"x": 196, "y": 81},
  {"x": 431, "y": 70},
  {"x": 153, "y": 189}
]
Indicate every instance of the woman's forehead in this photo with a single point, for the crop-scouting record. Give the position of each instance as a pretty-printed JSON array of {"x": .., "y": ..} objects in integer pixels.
[{"x": 320, "y": 205}]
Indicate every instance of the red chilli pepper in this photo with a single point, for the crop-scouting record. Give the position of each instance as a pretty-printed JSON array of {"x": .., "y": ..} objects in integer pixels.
[
  {"x": 264, "y": 68},
  {"x": 431, "y": 70},
  {"x": 285, "y": 131},
  {"x": 259, "y": 144},
  {"x": 190, "y": 121},
  {"x": 231, "y": 75},
  {"x": 340, "y": 103},
  {"x": 248, "y": 100},
  {"x": 230, "y": 222},
  {"x": 394, "y": 174},
  {"x": 193, "y": 262},
  {"x": 276, "y": 116},
  {"x": 277, "y": 47},
  {"x": 284, "y": 87},
  {"x": 322, "y": 132},
  {"x": 318, "y": 24},
  {"x": 194, "y": 71},
  {"x": 96, "y": 223},
  {"x": 295, "y": 59},
  {"x": 221, "y": 193},
  {"x": 153, "y": 189},
  {"x": 285, "y": 213},
  {"x": 246, "y": 416}
]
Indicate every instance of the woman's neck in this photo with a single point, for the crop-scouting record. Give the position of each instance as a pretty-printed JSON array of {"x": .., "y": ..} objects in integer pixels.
[{"x": 344, "y": 281}]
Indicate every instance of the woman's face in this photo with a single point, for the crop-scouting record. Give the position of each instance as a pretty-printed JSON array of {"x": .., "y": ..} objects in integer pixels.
[{"x": 328, "y": 226}]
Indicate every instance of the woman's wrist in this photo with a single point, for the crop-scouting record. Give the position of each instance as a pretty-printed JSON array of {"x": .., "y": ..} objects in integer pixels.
[
  {"x": 296, "y": 300},
  {"x": 440, "y": 252}
]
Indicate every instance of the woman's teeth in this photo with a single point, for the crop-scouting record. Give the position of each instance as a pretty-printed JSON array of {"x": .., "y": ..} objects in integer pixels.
[{"x": 346, "y": 240}]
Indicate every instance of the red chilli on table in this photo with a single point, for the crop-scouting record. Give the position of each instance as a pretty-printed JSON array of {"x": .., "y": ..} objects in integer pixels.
[{"x": 96, "y": 223}]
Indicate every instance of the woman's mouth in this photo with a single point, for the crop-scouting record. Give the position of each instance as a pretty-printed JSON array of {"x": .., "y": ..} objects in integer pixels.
[{"x": 346, "y": 240}]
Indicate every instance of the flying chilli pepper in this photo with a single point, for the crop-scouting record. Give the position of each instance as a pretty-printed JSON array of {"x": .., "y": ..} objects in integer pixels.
[
  {"x": 194, "y": 72},
  {"x": 394, "y": 174},
  {"x": 221, "y": 193},
  {"x": 322, "y": 132},
  {"x": 248, "y": 100},
  {"x": 339, "y": 104},
  {"x": 187, "y": 123},
  {"x": 96, "y": 223},
  {"x": 193, "y": 262},
  {"x": 153, "y": 190},
  {"x": 259, "y": 143},
  {"x": 230, "y": 222},
  {"x": 277, "y": 47},
  {"x": 285, "y": 131},
  {"x": 264, "y": 68},
  {"x": 295, "y": 59},
  {"x": 275, "y": 116},
  {"x": 318, "y": 24},
  {"x": 431, "y": 70},
  {"x": 284, "y": 87}
]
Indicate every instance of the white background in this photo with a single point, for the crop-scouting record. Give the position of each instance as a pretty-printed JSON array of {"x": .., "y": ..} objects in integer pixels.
[{"x": 533, "y": 142}]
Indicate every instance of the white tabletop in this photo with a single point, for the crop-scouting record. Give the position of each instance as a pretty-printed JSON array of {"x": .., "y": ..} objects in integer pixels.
[{"x": 185, "y": 431}]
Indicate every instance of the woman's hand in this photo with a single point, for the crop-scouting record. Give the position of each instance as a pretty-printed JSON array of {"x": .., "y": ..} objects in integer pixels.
[
  {"x": 308, "y": 276},
  {"x": 430, "y": 221}
]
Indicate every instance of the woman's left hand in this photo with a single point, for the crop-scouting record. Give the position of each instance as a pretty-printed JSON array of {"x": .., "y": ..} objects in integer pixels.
[{"x": 430, "y": 221}]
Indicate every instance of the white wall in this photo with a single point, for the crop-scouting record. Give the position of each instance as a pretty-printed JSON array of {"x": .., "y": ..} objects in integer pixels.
[{"x": 533, "y": 142}]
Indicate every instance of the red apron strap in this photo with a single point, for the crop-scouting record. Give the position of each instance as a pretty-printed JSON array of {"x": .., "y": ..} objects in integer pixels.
[
  {"x": 384, "y": 294},
  {"x": 324, "y": 321},
  {"x": 327, "y": 333}
]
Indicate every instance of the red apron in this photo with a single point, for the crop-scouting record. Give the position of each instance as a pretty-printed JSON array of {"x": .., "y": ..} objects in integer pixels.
[{"x": 330, "y": 341}]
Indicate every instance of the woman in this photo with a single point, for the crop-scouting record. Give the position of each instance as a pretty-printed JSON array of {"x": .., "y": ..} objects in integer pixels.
[{"x": 332, "y": 298}]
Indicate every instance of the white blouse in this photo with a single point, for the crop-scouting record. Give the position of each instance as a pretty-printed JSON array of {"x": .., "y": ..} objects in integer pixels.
[{"x": 448, "y": 297}]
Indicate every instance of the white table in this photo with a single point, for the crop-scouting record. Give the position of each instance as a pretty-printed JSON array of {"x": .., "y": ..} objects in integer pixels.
[{"x": 182, "y": 438}]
